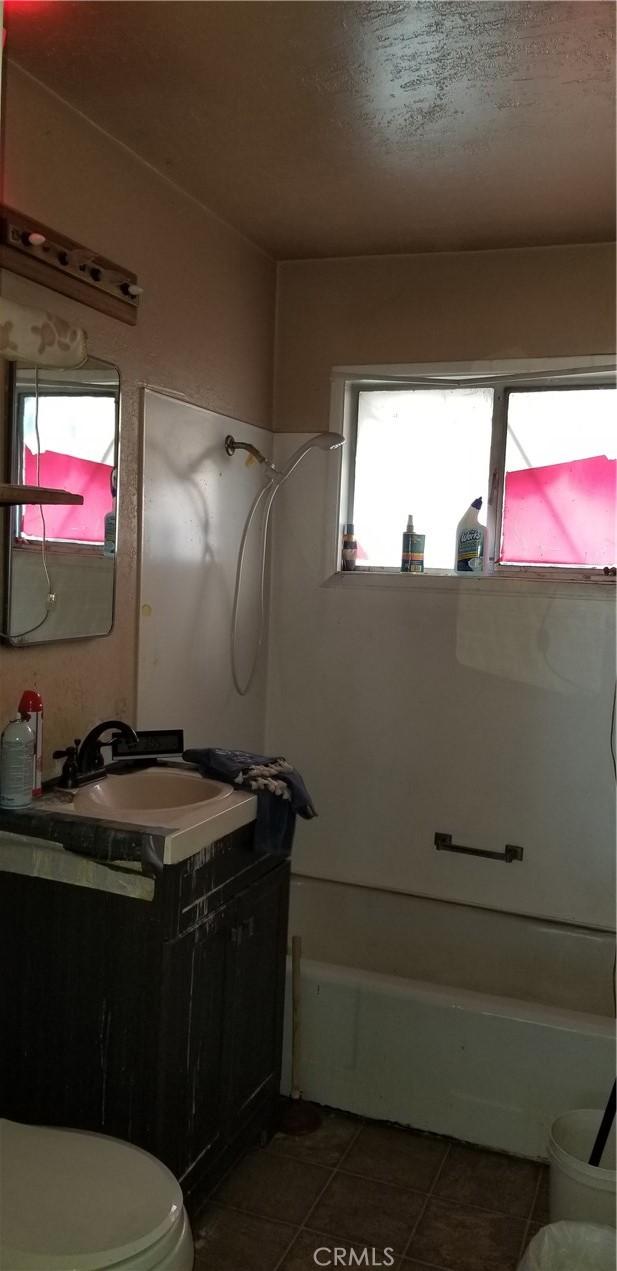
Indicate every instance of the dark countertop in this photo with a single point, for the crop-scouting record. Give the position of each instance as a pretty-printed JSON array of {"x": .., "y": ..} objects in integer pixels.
[{"x": 87, "y": 836}]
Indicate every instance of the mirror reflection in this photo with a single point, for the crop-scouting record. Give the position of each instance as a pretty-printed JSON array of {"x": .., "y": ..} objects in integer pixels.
[{"x": 61, "y": 559}]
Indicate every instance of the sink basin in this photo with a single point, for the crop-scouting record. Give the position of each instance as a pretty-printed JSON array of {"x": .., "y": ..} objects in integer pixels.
[{"x": 149, "y": 795}]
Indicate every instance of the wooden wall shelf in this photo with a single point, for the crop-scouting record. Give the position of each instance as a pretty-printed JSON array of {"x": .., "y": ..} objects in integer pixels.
[
  {"x": 66, "y": 266},
  {"x": 15, "y": 495}
]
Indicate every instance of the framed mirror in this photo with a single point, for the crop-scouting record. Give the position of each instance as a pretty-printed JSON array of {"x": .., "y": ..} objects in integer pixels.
[{"x": 60, "y": 566}]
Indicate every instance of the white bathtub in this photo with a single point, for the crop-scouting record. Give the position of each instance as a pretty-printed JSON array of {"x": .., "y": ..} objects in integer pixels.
[{"x": 461, "y": 1021}]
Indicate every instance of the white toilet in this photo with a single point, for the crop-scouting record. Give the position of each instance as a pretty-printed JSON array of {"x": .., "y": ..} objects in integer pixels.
[{"x": 72, "y": 1201}]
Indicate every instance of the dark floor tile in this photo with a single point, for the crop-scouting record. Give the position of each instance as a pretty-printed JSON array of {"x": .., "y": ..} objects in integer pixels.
[
  {"x": 230, "y": 1241},
  {"x": 488, "y": 1180},
  {"x": 466, "y": 1240},
  {"x": 324, "y": 1146},
  {"x": 367, "y": 1212},
  {"x": 408, "y": 1264},
  {"x": 394, "y": 1156},
  {"x": 273, "y": 1186},
  {"x": 541, "y": 1208},
  {"x": 310, "y": 1249}
]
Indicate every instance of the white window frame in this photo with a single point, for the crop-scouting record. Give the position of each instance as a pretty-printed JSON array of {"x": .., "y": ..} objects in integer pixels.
[{"x": 349, "y": 381}]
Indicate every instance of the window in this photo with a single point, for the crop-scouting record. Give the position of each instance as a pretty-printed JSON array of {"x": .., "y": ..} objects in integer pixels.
[
  {"x": 424, "y": 452},
  {"x": 540, "y": 454},
  {"x": 74, "y": 450},
  {"x": 559, "y": 488}
]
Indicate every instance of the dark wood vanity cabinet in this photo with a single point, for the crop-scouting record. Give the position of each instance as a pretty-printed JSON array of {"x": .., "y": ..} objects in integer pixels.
[
  {"x": 159, "y": 1021},
  {"x": 223, "y": 988}
]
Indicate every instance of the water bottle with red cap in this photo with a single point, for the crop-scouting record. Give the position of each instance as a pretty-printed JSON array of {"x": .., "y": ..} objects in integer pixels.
[{"x": 31, "y": 709}]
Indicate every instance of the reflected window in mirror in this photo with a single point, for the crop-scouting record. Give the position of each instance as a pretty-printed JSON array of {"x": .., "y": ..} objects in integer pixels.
[
  {"x": 67, "y": 443},
  {"x": 61, "y": 558}
]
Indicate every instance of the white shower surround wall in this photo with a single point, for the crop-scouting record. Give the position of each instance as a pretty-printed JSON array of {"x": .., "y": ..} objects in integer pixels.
[
  {"x": 455, "y": 994},
  {"x": 195, "y": 501},
  {"x": 478, "y": 950},
  {"x": 480, "y": 708}
]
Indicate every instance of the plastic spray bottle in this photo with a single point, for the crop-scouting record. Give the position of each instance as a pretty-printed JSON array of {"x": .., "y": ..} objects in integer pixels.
[
  {"x": 412, "y": 555},
  {"x": 350, "y": 548},
  {"x": 31, "y": 709},
  {"x": 470, "y": 537}
]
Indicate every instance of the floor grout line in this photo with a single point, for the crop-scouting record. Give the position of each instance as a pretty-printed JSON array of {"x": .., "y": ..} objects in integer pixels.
[
  {"x": 384, "y": 1182},
  {"x": 535, "y": 1194},
  {"x": 252, "y": 1213},
  {"x": 400, "y": 1187},
  {"x": 525, "y": 1237},
  {"x": 428, "y": 1197},
  {"x": 318, "y": 1197},
  {"x": 523, "y": 1244}
]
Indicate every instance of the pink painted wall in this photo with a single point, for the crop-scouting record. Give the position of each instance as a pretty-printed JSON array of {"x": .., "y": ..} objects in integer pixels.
[
  {"x": 561, "y": 514},
  {"x": 83, "y": 522}
]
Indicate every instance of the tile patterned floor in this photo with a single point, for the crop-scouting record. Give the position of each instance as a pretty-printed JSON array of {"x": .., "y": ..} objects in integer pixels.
[{"x": 438, "y": 1205}]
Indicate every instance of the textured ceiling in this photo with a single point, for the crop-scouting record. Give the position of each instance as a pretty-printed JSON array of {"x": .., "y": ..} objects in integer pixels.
[{"x": 331, "y": 128}]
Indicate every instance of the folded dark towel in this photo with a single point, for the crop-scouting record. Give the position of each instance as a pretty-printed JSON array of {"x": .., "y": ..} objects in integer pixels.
[{"x": 281, "y": 792}]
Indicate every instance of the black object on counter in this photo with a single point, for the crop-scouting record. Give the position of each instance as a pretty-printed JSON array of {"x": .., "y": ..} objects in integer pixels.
[
  {"x": 150, "y": 742},
  {"x": 281, "y": 792}
]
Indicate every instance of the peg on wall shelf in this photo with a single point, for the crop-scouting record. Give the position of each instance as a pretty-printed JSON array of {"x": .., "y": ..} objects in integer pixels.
[{"x": 45, "y": 256}]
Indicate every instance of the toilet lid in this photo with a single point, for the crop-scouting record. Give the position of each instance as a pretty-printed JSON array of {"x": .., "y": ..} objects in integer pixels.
[{"x": 71, "y": 1201}]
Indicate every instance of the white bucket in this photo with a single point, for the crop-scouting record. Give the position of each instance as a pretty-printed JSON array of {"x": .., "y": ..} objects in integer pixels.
[{"x": 578, "y": 1191}]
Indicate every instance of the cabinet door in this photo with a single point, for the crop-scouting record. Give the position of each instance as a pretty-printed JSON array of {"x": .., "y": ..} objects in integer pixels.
[
  {"x": 256, "y": 1010},
  {"x": 197, "y": 970}
]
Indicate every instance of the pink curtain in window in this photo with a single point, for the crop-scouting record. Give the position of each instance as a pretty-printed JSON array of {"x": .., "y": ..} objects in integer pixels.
[
  {"x": 84, "y": 523},
  {"x": 561, "y": 514}
]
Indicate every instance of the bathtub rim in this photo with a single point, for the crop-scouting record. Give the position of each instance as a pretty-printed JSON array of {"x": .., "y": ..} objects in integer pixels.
[{"x": 453, "y": 998}]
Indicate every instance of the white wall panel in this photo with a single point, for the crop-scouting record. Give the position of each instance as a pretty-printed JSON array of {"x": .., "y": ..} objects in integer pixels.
[
  {"x": 195, "y": 501},
  {"x": 483, "y": 714}
]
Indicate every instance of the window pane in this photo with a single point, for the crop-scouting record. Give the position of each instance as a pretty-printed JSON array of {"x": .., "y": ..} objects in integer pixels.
[
  {"x": 559, "y": 492},
  {"x": 77, "y": 439},
  {"x": 424, "y": 452}
]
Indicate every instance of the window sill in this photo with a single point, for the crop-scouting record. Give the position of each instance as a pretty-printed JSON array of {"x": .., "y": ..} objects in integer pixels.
[{"x": 510, "y": 582}]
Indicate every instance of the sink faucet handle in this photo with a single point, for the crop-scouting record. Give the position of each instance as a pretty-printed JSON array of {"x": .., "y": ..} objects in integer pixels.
[
  {"x": 69, "y": 775},
  {"x": 70, "y": 751}
]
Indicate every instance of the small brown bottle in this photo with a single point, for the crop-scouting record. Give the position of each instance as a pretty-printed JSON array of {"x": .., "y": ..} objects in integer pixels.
[{"x": 350, "y": 548}]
